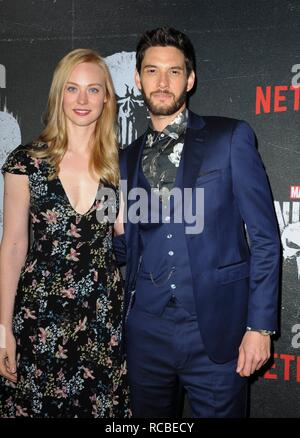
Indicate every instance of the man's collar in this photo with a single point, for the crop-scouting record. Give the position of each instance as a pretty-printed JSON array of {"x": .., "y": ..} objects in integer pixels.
[{"x": 175, "y": 128}]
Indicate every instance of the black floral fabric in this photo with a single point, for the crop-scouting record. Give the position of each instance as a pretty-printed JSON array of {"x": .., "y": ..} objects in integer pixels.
[{"x": 68, "y": 308}]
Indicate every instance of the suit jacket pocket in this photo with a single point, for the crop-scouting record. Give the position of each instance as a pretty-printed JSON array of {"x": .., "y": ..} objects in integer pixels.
[
  {"x": 238, "y": 271},
  {"x": 208, "y": 176}
]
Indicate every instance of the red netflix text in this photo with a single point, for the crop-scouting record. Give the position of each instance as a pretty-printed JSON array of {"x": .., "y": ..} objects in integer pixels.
[
  {"x": 286, "y": 367},
  {"x": 276, "y": 99}
]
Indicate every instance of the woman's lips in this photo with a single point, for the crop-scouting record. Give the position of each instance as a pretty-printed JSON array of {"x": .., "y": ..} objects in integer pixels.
[{"x": 81, "y": 112}]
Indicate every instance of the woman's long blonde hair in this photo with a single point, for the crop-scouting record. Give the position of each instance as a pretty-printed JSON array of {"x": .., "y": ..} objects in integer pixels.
[{"x": 104, "y": 158}]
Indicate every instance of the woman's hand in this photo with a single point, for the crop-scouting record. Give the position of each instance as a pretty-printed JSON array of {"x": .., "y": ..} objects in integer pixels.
[{"x": 8, "y": 366}]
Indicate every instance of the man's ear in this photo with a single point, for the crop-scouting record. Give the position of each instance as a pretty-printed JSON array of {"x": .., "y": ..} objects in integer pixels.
[
  {"x": 137, "y": 79},
  {"x": 191, "y": 81}
]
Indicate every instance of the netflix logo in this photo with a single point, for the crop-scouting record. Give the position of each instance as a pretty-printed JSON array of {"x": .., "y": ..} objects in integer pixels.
[
  {"x": 279, "y": 98},
  {"x": 295, "y": 192}
]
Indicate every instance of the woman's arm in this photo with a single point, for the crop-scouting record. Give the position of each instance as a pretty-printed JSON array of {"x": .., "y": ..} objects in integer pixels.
[{"x": 13, "y": 252}]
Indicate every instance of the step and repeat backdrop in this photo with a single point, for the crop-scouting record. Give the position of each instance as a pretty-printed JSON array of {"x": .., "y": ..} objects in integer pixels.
[{"x": 248, "y": 67}]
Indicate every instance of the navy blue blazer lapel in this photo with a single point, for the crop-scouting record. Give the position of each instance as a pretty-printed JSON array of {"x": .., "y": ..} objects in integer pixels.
[
  {"x": 133, "y": 162},
  {"x": 194, "y": 149}
]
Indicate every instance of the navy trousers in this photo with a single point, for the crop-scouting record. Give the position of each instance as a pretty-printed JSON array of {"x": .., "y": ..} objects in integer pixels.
[{"x": 166, "y": 353}]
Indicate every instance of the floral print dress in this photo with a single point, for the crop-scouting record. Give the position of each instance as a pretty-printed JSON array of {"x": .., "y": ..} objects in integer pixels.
[{"x": 68, "y": 309}]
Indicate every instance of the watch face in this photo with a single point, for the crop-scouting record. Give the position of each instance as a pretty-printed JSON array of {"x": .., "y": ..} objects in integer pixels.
[{"x": 265, "y": 332}]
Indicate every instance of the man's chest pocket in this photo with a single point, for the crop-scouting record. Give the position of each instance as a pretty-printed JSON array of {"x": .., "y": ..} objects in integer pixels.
[{"x": 207, "y": 177}]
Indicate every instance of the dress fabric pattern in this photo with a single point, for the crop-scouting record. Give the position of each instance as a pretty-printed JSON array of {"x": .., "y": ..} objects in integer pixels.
[{"x": 68, "y": 308}]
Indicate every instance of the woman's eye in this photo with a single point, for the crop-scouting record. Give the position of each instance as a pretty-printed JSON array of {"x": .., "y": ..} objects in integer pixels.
[
  {"x": 71, "y": 89},
  {"x": 94, "y": 90}
]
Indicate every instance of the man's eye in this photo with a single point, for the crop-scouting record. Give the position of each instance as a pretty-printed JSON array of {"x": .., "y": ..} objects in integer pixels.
[
  {"x": 175, "y": 72},
  {"x": 151, "y": 70}
]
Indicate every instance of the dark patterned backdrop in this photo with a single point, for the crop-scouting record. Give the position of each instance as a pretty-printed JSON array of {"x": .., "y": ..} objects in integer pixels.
[{"x": 248, "y": 64}]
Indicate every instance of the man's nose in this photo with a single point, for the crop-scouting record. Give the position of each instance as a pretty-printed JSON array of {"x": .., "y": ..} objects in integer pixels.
[{"x": 163, "y": 80}]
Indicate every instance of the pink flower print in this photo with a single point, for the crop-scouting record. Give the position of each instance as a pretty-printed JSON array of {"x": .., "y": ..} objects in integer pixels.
[
  {"x": 93, "y": 398},
  {"x": 123, "y": 369},
  {"x": 29, "y": 314},
  {"x": 116, "y": 278},
  {"x": 34, "y": 219},
  {"x": 20, "y": 167},
  {"x": 81, "y": 326},
  {"x": 34, "y": 283},
  {"x": 109, "y": 362},
  {"x": 43, "y": 335},
  {"x": 113, "y": 341},
  {"x": 115, "y": 400},
  {"x": 69, "y": 275},
  {"x": 73, "y": 255},
  {"x": 77, "y": 220},
  {"x": 31, "y": 266},
  {"x": 50, "y": 216},
  {"x": 46, "y": 273},
  {"x": 88, "y": 374},
  {"x": 74, "y": 231},
  {"x": 94, "y": 411},
  {"x": 38, "y": 373},
  {"x": 98, "y": 305},
  {"x": 60, "y": 374},
  {"x": 95, "y": 276},
  {"x": 55, "y": 243},
  {"x": 60, "y": 354},
  {"x": 108, "y": 325},
  {"x": 21, "y": 412},
  {"x": 36, "y": 162},
  {"x": 61, "y": 392},
  {"x": 68, "y": 293},
  {"x": 32, "y": 338}
]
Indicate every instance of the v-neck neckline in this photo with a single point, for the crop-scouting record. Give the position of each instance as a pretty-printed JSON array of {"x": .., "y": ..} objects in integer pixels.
[{"x": 68, "y": 199}]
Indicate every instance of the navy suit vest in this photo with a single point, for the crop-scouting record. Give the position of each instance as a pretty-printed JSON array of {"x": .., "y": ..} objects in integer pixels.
[{"x": 165, "y": 271}]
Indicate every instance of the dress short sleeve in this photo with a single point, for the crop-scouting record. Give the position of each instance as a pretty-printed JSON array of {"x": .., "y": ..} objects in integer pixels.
[{"x": 17, "y": 162}]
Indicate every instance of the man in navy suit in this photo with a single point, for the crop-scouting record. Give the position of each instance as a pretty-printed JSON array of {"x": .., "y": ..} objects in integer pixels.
[{"x": 201, "y": 303}]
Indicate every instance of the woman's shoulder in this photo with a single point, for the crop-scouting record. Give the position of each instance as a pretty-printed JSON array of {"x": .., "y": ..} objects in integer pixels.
[{"x": 21, "y": 160}]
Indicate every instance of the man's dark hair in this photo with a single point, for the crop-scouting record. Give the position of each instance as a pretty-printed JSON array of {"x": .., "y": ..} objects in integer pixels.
[{"x": 166, "y": 36}]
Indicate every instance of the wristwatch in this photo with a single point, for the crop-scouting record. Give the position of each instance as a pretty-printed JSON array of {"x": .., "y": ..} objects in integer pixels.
[{"x": 261, "y": 331}]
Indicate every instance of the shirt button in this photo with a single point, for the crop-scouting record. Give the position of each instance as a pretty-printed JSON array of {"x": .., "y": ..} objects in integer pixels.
[
  {"x": 169, "y": 236},
  {"x": 162, "y": 135},
  {"x": 171, "y": 253},
  {"x": 173, "y": 286},
  {"x": 167, "y": 218}
]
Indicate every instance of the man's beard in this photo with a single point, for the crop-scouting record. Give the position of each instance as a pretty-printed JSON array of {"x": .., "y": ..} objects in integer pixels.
[{"x": 164, "y": 109}]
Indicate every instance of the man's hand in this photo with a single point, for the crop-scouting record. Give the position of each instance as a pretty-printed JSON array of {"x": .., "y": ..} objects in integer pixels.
[{"x": 254, "y": 352}]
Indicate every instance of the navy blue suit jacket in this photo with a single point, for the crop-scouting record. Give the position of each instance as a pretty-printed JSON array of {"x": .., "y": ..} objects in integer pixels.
[{"x": 234, "y": 286}]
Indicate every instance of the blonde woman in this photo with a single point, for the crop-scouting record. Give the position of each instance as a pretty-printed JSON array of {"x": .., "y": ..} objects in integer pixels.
[{"x": 61, "y": 301}]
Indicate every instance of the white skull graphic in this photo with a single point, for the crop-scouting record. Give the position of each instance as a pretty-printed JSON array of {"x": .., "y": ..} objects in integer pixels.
[
  {"x": 290, "y": 239},
  {"x": 174, "y": 156},
  {"x": 122, "y": 67}
]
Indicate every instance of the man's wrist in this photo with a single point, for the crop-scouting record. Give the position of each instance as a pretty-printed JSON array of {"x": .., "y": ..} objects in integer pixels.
[{"x": 263, "y": 332}]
